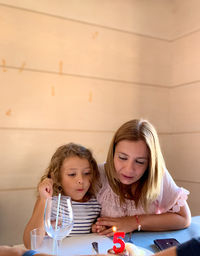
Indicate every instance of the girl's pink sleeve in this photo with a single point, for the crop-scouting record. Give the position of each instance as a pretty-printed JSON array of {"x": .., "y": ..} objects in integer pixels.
[{"x": 171, "y": 197}]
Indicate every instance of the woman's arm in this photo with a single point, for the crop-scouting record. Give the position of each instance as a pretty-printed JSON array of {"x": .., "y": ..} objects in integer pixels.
[
  {"x": 167, "y": 221},
  {"x": 148, "y": 222}
]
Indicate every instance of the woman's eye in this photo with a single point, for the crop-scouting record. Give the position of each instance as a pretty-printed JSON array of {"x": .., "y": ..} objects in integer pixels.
[
  {"x": 140, "y": 162},
  {"x": 122, "y": 158}
]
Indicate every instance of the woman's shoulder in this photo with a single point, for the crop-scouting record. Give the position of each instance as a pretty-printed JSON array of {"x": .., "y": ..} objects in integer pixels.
[
  {"x": 101, "y": 168},
  {"x": 170, "y": 194},
  {"x": 168, "y": 182},
  {"x": 102, "y": 172}
]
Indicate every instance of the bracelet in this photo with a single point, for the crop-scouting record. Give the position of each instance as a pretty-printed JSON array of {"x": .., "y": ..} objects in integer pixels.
[
  {"x": 29, "y": 253},
  {"x": 139, "y": 225}
]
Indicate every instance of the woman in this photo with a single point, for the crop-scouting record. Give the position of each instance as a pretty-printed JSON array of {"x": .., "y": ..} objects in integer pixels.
[{"x": 137, "y": 191}]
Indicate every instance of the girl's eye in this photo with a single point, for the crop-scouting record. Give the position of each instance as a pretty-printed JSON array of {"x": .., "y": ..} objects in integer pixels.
[
  {"x": 87, "y": 173},
  {"x": 71, "y": 174}
]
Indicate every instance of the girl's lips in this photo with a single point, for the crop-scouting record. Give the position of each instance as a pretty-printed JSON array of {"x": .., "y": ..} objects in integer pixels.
[{"x": 80, "y": 190}]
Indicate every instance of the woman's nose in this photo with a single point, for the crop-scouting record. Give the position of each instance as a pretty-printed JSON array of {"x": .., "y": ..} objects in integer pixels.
[{"x": 130, "y": 167}]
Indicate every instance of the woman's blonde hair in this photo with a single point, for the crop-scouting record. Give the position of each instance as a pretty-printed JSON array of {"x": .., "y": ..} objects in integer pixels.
[
  {"x": 66, "y": 151},
  {"x": 149, "y": 185}
]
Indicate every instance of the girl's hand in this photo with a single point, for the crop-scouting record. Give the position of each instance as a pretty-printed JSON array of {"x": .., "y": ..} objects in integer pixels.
[
  {"x": 46, "y": 188},
  {"x": 97, "y": 228},
  {"x": 125, "y": 224},
  {"x": 94, "y": 228}
]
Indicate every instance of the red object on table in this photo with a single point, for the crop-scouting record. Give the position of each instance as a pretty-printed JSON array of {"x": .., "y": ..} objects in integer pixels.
[{"x": 116, "y": 239}]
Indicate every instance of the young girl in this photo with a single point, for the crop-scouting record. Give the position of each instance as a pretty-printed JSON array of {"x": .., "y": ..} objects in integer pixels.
[
  {"x": 72, "y": 172},
  {"x": 137, "y": 191}
]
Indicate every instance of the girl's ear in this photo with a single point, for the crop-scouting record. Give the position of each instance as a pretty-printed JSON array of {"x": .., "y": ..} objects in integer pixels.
[{"x": 55, "y": 179}]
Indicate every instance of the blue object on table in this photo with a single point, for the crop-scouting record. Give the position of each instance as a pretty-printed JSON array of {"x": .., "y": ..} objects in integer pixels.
[
  {"x": 145, "y": 239},
  {"x": 29, "y": 253}
]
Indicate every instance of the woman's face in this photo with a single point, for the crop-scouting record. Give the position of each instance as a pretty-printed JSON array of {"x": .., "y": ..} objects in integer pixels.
[{"x": 130, "y": 160}]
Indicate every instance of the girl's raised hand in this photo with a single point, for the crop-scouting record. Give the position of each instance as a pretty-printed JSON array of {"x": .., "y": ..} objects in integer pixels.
[
  {"x": 45, "y": 188},
  {"x": 123, "y": 224}
]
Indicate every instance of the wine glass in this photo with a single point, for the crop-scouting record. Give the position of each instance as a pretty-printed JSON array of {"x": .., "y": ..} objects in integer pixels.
[{"x": 58, "y": 219}]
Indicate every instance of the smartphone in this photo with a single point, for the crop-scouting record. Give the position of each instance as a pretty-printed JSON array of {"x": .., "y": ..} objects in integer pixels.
[{"x": 165, "y": 243}]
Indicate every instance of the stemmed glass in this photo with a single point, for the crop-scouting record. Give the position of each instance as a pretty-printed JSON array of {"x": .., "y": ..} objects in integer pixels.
[{"x": 58, "y": 219}]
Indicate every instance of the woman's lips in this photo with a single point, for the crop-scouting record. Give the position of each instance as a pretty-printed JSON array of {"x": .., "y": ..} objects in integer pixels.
[{"x": 127, "y": 177}]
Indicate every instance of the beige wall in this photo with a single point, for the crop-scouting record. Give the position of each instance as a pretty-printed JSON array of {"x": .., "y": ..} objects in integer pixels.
[
  {"x": 74, "y": 71},
  {"x": 184, "y": 100}
]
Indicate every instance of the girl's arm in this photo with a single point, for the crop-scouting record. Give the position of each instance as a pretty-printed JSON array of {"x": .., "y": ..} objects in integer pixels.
[
  {"x": 36, "y": 221},
  {"x": 45, "y": 189},
  {"x": 148, "y": 222}
]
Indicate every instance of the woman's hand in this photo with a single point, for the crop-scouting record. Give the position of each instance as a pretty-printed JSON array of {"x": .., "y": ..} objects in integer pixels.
[
  {"x": 125, "y": 224},
  {"x": 45, "y": 188}
]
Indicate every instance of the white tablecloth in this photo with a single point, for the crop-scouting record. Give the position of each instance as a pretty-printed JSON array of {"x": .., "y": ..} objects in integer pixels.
[{"x": 81, "y": 245}]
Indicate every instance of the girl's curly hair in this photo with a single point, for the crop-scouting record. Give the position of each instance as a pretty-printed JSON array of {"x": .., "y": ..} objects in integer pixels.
[{"x": 71, "y": 150}]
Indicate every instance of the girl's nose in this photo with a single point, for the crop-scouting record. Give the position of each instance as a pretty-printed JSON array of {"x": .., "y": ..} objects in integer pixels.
[{"x": 80, "y": 179}]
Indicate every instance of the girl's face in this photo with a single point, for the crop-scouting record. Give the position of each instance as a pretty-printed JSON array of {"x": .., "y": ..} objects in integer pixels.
[
  {"x": 130, "y": 160},
  {"x": 75, "y": 177}
]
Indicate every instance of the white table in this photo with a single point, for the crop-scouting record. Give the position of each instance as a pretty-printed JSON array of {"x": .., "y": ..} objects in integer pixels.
[{"x": 82, "y": 245}]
